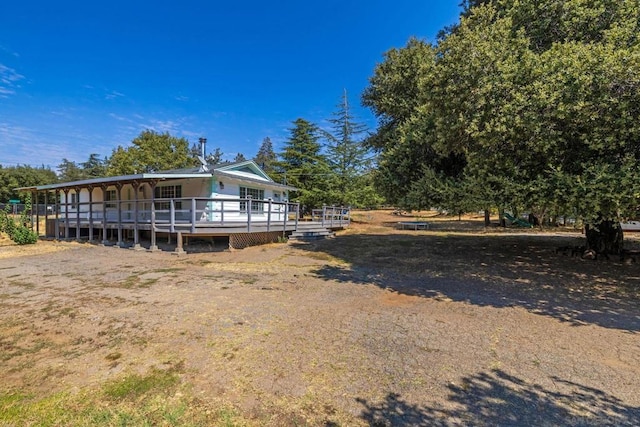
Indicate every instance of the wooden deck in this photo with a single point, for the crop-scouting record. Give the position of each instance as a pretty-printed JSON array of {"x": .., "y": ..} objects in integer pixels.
[{"x": 266, "y": 221}]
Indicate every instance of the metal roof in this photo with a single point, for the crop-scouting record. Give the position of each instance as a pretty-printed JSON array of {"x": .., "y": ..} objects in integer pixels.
[{"x": 160, "y": 176}]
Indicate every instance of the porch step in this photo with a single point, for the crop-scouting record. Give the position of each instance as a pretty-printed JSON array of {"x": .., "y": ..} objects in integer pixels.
[{"x": 310, "y": 232}]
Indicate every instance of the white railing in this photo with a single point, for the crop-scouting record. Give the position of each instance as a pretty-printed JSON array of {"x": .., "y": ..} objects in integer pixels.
[
  {"x": 332, "y": 216},
  {"x": 184, "y": 214}
]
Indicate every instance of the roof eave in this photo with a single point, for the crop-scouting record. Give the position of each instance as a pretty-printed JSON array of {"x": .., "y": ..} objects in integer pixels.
[{"x": 115, "y": 179}]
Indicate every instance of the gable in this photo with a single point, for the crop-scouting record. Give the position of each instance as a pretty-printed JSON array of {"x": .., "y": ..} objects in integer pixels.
[{"x": 247, "y": 169}]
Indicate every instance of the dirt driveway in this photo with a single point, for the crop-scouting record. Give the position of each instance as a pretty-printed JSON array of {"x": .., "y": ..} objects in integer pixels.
[{"x": 374, "y": 327}]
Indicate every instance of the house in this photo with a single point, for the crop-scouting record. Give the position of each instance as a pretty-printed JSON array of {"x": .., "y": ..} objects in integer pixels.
[{"x": 235, "y": 200}]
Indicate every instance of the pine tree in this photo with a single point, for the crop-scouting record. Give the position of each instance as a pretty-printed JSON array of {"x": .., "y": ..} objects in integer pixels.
[
  {"x": 304, "y": 166},
  {"x": 215, "y": 158},
  {"x": 69, "y": 171},
  {"x": 94, "y": 167},
  {"x": 349, "y": 158},
  {"x": 266, "y": 157}
]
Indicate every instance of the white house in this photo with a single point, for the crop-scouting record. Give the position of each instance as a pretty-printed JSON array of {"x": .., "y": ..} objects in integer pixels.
[{"x": 225, "y": 199}]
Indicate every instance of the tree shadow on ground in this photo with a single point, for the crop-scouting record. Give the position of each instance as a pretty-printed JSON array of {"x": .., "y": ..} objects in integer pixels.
[
  {"x": 496, "y": 398},
  {"x": 498, "y": 270}
]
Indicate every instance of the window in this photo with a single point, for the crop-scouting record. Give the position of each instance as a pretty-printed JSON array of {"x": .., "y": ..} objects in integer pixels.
[
  {"x": 255, "y": 194},
  {"x": 73, "y": 200},
  {"x": 168, "y": 192},
  {"x": 111, "y": 199}
]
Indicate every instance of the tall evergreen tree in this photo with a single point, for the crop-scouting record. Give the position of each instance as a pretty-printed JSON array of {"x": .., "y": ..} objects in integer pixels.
[
  {"x": 69, "y": 171},
  {"x": 94, "y": 167},
  {"x": 239, "y": 158},
  {"x": 349, "y": 157},
  {"x": 215, "y": 157},
  {"x": 266, "y": 157},
  {"x": 302, "y": 165}
]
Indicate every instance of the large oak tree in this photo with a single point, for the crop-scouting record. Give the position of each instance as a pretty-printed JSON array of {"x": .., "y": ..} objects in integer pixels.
[{"x": 523, "y": 104}]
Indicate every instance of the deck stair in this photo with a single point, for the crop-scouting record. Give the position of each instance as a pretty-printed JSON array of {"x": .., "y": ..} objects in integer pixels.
[{"x": 310, "y": 231}]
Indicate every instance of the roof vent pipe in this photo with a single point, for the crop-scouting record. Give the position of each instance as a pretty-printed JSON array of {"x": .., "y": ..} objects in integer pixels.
[
  {"x": 203, "y": 151},
  {"x": 202, "y": 157}
]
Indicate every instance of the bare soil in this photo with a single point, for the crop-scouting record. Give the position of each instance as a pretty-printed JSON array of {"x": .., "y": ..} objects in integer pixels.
[{"x": 456, "y": 325}]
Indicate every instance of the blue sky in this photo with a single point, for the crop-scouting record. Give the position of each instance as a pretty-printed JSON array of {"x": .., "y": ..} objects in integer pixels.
[{"x": 82, "y": 77}]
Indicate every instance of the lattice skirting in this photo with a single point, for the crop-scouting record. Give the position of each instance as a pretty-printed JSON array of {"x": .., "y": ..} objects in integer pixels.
[{"x": 243, "y": 240}]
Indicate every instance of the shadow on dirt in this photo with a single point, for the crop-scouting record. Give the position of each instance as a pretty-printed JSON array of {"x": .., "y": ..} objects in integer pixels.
[
  {"x": 496, "y": 398},
  {"x": 499, "y": 271}
]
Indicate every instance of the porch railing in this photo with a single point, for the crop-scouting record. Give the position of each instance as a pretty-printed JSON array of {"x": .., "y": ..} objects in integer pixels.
[
  {"x": 184, "y": 214},
  {"x": 332, "y": 216}
]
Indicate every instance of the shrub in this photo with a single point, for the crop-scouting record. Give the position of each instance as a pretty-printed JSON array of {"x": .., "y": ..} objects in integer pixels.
[
  {"x": 24, "y": 235},
  {"x": 21, "y": 233}
]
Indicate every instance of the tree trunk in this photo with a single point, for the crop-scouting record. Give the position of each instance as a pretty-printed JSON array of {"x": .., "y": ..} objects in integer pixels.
[
  {"x": 487, "y": 218},
  {"x": 605, "y": 238},
  {"x": 503, "y": 222}
]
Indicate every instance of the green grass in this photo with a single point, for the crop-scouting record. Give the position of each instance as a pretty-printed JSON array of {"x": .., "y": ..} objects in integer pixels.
[
  {"x": 133, "y": 386},
  {"x": 168, "y": 270},
  {"x": 157, "y": 398}
]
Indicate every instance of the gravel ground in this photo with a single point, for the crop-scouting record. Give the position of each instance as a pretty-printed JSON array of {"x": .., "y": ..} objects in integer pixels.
[{"x": 444, "y": 327}]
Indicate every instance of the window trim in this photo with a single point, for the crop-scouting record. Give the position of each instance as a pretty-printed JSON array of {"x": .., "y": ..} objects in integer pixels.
[
  {"x": 256, "y": 194},
  {"x": 167, "y": 192},
  {"x": 111, "y": 199}
]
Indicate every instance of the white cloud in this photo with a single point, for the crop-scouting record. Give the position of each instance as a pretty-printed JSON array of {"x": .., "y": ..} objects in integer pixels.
[
  {"x": 9, "y": 51},
  {"x": 120, "y": 118},
  {"x": 9, "y": 79},
  {"x": 113, "y": 95}
]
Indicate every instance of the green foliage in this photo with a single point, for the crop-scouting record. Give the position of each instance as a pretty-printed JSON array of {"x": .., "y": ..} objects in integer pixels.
[
  {"x": 266, "y": 158},
  {"x": 150, "y": 152},
  {"x": 69, "y": 171},
  {"x": 303, "y": 166},
  {"x": 20, "y": 232},
  {"x": 523, "y": 104},
  {"x": 349, "y": 158},
  {"x": 215, "y": 157},
  {"x": 22, "y": 176},
  {"x": 94, "y": 167}
]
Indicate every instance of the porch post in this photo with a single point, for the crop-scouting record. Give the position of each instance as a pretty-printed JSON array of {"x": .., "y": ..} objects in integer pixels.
[
  {"x": 179, "y": 250},
  {"x": 248, "y": 204},
  {"x": 56, "y": 227},
  {"x": 172, "y": 215},
  {"x": 269, "y": 216},
  {"x": 119, "y": 197},
  {"x": 136, "y": 240},
  {"x": 78, "y": 189},
  {"x": 37, "y": 212},
  {"x": 90, "y": 189},
  {"x": 193, "y": 215},
  {"x": 154, "y": 246},
  {"x": 66, "y": 213},
  {"x": 105, "y": 240},
  {"x": 46, "y": 211},
  {"x": 284, "y": 220}
]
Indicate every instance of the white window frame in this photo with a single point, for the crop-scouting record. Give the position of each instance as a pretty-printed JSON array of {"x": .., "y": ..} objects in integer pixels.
[
  {"x": 168, "y": 192},
  {"x": 256, "y": 194}
]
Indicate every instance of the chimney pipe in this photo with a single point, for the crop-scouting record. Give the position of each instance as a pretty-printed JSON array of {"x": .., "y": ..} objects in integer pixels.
[{"x": 203, "y": 151}]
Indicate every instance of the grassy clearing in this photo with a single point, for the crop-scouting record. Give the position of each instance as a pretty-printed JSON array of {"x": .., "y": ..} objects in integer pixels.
[{"x": 157, "y": 398}]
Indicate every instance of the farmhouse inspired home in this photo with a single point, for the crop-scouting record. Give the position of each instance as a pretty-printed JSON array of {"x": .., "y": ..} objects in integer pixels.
[{"x": 238, "y": 201}]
